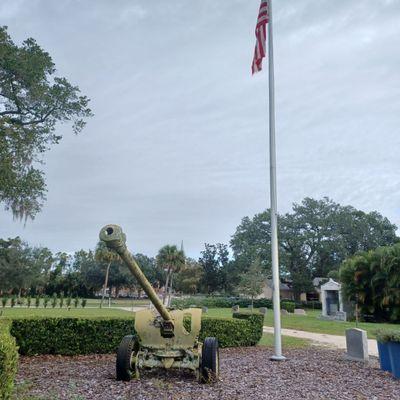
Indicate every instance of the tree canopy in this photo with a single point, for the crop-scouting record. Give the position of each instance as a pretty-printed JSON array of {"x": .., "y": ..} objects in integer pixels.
[
  {"x": 314, "y": 239},
  {"x": 32, "y": 101}
]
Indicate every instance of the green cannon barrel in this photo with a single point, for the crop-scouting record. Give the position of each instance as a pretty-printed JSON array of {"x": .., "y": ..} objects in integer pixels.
[{"x": 115, "y": 239}]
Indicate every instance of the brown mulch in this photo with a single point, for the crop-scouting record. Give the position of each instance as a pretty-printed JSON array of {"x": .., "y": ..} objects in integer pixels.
[{"x": 246, "y": 373}]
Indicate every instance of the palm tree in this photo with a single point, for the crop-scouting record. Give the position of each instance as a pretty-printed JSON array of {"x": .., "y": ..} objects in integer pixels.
[
  {"x": 171, "y": 260},
  {"x": 105, "y": 255}
]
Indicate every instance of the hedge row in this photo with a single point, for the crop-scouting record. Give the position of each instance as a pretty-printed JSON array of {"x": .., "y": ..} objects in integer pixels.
[
  {"x": 220, "y": 302},
  {"x": 8, "y": 361},
  {"x": 228, "y": 302},
  {"x": 69, "y": 336},
  {"x": 73, "y": 336}
]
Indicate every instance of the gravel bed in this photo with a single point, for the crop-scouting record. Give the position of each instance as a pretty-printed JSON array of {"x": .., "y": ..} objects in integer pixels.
[{"x": 246, "y": 373}]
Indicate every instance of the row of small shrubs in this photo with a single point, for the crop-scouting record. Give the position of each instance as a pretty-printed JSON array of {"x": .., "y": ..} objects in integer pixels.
[
  {"x": 45, "y": 301},
  {"x": 313, "y": 304},
  {"x": 228, "y": 302},
  {"x": 73, "y": 336},
  {"x": 8, "y": 360},
  {"x": 220, "y": 302}
]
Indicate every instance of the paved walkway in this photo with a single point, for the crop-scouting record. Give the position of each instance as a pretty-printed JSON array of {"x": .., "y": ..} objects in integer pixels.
[{"x": 324, "y": 339}]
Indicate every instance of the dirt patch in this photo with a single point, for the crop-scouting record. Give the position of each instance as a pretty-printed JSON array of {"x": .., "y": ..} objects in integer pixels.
[{"x": 246, "y": 373}]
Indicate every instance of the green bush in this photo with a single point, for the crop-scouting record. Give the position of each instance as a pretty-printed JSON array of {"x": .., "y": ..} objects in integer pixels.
[
  {"x": 8, "y": 360},
  {"x": 4, "y": 301},
  {"x": 387, "y": 335},
  {"x": 73, "y": 336},
  {"x": 289, "y": 306}
]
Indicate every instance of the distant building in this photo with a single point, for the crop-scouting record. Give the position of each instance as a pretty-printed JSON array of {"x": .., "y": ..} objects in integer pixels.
[{"x": 285, "y": 291}]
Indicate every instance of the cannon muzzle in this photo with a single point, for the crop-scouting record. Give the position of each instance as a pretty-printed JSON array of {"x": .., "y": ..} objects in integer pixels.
[{"x": 115, "y": 239}]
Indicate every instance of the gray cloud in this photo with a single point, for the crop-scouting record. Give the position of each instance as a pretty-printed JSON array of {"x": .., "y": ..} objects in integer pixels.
[{"x": 178, "y": 146}]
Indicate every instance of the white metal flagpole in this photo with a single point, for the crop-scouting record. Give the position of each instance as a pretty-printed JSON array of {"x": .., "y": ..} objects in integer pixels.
[{"x": 274, "y": 220}]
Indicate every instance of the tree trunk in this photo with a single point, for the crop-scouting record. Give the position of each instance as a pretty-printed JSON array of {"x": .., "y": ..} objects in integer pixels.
[
  {"x": 105, "y": 285},
  {"x": 166, "y": 287},
  {"x": 170, "y": 291}
]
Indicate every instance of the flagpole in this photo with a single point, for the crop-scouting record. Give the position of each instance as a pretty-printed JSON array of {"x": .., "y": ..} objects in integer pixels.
[{"x": 274, "y": 220}]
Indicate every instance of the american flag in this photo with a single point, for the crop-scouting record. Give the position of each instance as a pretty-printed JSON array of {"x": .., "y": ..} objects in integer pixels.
[{"x": 261, "y": 36}]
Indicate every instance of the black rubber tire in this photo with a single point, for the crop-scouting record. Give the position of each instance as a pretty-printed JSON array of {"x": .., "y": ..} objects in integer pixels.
[
  {"x": 209, "y": 368},
  {"x": 127, "y": 349}
]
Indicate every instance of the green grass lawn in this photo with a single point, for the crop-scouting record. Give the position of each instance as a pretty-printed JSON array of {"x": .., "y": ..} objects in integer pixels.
[
  {"x": 17, "y": 312},
  {"x": 287, "y": 341},
  {"x": 309, "y": 323}
]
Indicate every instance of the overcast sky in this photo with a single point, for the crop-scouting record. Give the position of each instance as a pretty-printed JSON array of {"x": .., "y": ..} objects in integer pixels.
[{"x": 177, "y": 149}]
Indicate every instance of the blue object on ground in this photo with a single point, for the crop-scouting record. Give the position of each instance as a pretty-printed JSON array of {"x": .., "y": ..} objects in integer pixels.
[
  {"x": 384, "y": 358},
  {"x": 394, "y": 353}
]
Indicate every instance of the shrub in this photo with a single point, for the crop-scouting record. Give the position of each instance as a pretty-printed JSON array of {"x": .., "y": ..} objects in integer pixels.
[
  {"x": 45, "y": 301},
  {"x": 13, "y": 301},
  {"x": 61, "y": 300},
  {"x": 76, "y": 302},
  {"x": 69, "y": 301},
  {"x": 54, "y": 300},
  {"x": 73, "y": 336},
  {"x": 8, "y": 360},
  {"x": 4, "y": 301},
  {"x": 83, "y": 303},
  {"x": 28, "y": 301},
  {"x": 37, "y": 301},
  {"x": 289, "y": 306},
  {"x": 387, "y": 335}
]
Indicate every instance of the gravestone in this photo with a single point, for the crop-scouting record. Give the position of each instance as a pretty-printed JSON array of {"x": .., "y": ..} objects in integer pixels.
[
  {"x": 299, "y": 311},
  {"x": 263, "y": 310},
  {"x": 284, "y": 312},
  {"x": 205, "y": 310},
  {"x": 235, "y": 309},
  {"x": 250, "y": 307},
  {"x": 192, "y": 306},
  {"x": 341, "y": 316},
  {"x": 357, "y": 344}
]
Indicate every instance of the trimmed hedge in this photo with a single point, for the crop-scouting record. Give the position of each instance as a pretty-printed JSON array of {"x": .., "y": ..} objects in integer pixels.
[
  {"x": 73, "y": 336},
  {"x": 69, "y": 336},
  {"x": 8, "y": 360}
]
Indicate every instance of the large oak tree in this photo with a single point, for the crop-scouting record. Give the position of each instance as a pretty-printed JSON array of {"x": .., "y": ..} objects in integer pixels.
[{"x": 32, "y": 101}]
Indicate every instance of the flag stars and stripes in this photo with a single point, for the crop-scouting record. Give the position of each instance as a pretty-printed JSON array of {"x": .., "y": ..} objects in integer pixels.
[{"x": 261, "y": 37}]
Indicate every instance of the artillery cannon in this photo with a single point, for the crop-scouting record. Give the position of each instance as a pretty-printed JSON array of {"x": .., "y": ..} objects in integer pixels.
[{"x": 165, "y": 338}]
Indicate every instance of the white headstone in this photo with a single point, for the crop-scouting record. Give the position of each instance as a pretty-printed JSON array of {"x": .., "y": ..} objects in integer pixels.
[{"x": 299, "y": 311}]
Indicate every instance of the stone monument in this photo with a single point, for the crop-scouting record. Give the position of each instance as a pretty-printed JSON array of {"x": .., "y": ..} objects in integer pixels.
[{"x": 357, "y": 344}]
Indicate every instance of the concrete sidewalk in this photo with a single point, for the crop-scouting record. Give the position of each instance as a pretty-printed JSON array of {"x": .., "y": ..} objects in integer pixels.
[{"x": 327, "y": 340}]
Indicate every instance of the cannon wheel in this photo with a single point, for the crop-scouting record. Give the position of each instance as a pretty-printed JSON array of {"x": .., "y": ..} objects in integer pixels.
[
  {"x": 209, "y": 366},
  {"x": 126, "y": 357}
]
